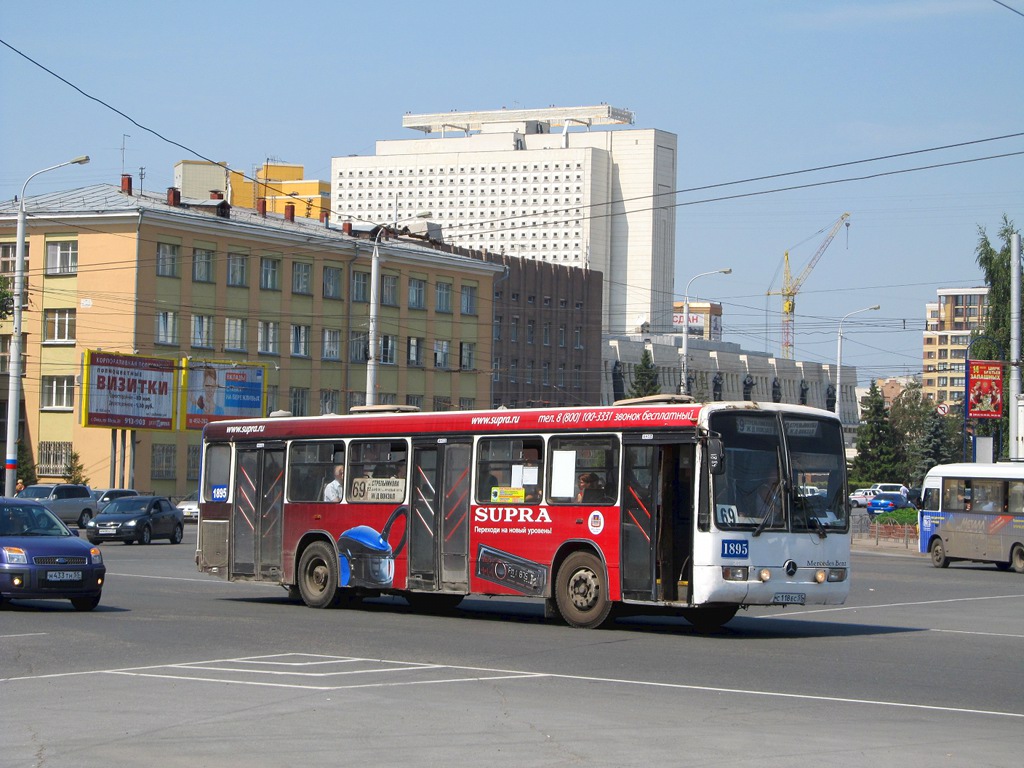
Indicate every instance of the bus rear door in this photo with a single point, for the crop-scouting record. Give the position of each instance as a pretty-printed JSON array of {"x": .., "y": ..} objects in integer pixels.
[{"x": 256, "y": 512}]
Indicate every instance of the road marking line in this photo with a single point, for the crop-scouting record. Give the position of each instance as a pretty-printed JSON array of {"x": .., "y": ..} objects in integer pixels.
[
  {"x": 886, "y": 605},
  {"x": 25, "y": 634},
  {"x": 489, "y": 674}
]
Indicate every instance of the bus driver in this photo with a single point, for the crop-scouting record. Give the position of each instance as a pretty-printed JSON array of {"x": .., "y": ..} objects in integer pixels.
[{"x": 335, "y": 490}]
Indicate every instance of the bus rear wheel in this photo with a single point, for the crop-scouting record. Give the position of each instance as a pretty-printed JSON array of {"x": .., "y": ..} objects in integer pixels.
[
  {"x": 581, "y": 591},
  {"x": 1017, "y": 558},
  {"x": 938, "y": 552},
  {"x": 318, "y": 576}
]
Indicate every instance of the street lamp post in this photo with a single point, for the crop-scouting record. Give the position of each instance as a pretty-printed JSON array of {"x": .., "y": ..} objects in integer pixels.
[
  {"x": 371, "y": 330},
  {"x": 14, "y": 366},
  {"x": 839, "y": 355},
  {"x": 684, "y": 385}
]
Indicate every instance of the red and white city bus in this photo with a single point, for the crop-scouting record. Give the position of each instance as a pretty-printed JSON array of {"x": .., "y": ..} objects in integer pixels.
[{"x": 663, "y": 502}]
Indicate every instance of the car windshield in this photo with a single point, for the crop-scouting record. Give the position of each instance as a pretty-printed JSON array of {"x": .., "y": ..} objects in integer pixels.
[
  {"x": 127, "y": 505},
  {"x": 26, "y": 520},
  {"x": 35, "y": 492}
]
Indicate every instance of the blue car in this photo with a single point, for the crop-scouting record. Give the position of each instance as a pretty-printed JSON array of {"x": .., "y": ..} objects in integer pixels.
[
  {"x": 42, "y": 559},
  {"x": 887, "y": 502}
]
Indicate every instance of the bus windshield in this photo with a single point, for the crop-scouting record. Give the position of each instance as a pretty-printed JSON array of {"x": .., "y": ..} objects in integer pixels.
[{"x": 781, "y": 473}]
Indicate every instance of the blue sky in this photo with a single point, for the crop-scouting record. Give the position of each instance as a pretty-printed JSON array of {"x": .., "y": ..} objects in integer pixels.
[{"x": 751, "y": 89}]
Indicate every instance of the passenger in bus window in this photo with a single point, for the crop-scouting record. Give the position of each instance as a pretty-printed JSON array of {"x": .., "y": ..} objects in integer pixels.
[
  {"x": 335, "y": 490},
  {"x": 590, "y": 490}
]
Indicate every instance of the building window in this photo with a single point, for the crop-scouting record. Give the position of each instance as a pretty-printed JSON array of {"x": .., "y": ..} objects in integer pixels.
[
  {"x": 202, "y": 265},
  {"x": 577, "y": 337},
  {"x": 496, "y": 334},
  {"x": 468, "y": 304},
  {"x": 268, "y": 337},
  {"x": 59, "y": 325},
  {"x": 8, "y": 256},
  {"x": 166, "y": 260},
  {"x": 300, "y": 341},
  {"x": 545, "y": 373},
  {"x": 234, "y": 333},
  {"x": 238, "y": 269},
  {"x": 547, "y": 334},
  {"x": 577, "y": 376},
  {"x": 166, "y": 327},
  {"x": 467, "y": 356},
  {"x": 417, "y": 293},
  {"x": 443, "y": 292},
  {"x": 329, "y": 400},
  {"x": 467, "y": 403},
  {"x": 5, "y": 353},
  {"x": 58, "y": 392},
  {"x": 360, "y": 286},
  {"x": 442, "y": 403},
  {"x": 358, "y": 346},
  {"x": 529, "y": 331},
  {"x": 496, "y": 369},
  {"x": 414, "y": 400},
  {"x": 331, "y": 344},
  {"x": 414, "y": 358},
  {"x": 165, "y": 460},
  {"x": 388, "y": 349},
  {"x": 332, "y": 282},
  {"x": 302, "y": 278},
  {"x": 441, "y": 350},
  {"x": 389, "y": 290},
  {"x": 202, "y": 331},
  {"x": 54, "y": 457},
  {"x": 298, "y": 401},
  {"x": 270, "y": 274},
  {"x": 513, "y": 331},
  {"x": 561, "y": 336},
  {"x": 192, "y": 461},
  {"x": 62, "y": 258}
]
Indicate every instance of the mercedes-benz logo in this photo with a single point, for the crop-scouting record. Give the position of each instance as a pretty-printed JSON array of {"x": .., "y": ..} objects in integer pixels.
[{"x": 790, "y": 567}]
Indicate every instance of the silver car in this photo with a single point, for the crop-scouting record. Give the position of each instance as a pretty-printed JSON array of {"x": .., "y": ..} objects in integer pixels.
[{"x": 189, "y": 507}]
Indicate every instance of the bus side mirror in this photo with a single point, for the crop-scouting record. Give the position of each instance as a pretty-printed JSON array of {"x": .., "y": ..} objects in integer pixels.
[{"x": 716, "y": 455}]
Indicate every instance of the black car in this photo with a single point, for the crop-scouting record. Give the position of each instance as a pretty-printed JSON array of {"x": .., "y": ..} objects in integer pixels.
[
  {"x": 137, "y": 518},
  {"x": 42, "y": 559}
]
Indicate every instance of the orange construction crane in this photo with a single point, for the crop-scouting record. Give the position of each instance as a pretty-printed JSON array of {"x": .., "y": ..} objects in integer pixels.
[{"x": 791, "y": 287}]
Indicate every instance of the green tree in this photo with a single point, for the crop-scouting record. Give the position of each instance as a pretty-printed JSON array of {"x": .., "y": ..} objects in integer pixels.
[
  {"x": 878, "y": 456},
  {"x": 26, "y": 465},
  {"x": 74, "y": 471},
  {"x": 645, "y": 377},
  {"x": 6, "y": 300},
  {"x": 909, "y": 420},
  {"x": 993, "y": 341}
]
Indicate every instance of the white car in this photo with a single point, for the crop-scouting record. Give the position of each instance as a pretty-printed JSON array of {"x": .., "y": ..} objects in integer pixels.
[
  {"x": 861, "y": 497},
  {"x": 189, "y": 507}
]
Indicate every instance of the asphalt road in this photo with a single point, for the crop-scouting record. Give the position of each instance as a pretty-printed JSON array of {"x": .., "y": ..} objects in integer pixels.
[{"x": 920, "y": 667}]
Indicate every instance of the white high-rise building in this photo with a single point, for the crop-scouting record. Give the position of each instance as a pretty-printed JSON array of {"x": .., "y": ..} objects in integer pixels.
[{"x": 502, "y": 181}]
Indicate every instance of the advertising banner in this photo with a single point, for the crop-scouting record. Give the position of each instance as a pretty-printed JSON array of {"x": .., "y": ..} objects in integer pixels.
[
  {"x": 216, "y": 390},
  {"x": 985, "y": 389},
  {"x": 128, "y": 391}
]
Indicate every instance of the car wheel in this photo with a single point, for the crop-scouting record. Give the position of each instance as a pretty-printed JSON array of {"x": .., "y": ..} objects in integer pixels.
[
  {"x": 581, "y": 592},
  {"x": 318, "y": 575},
  {"x": 85, "y": 603},
  {"x": 146, "y": 537},
  {"x": 177, "y": 535},
  {"x": 84, "y": 518},
  {"x": 1017, "y": 559},
  {"x": 938, "y": 553}
]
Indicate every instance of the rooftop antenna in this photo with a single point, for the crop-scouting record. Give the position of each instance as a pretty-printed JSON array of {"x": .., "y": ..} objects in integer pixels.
[
  {"x": 142, "y": 177},
  {"x": 123, "y": 137}
]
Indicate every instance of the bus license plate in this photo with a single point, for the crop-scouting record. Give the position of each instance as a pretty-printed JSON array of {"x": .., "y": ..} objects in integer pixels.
[
  {"x": 789, "y": 598},
  {"x": 64, "y": 576}
]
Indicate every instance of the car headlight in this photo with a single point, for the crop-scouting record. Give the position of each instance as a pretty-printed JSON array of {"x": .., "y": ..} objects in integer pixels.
[
  {"x": 91, "y": 524},
  {"x": 131, "y": 523},
  {"x": 15, "y": 555}
]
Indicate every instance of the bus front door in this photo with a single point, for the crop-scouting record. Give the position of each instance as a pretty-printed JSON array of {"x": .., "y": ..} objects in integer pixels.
[
  {"x": 657, "y": 539},
  {"x": 439, "y": 523},
  {"x": 256, "y": 513}
]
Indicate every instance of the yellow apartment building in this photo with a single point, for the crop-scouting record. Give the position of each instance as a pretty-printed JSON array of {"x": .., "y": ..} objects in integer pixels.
[
  {"x": 277, "y": 184},
  {"x": 179, "y": 278},
  {"x": 950, "y": 321}
]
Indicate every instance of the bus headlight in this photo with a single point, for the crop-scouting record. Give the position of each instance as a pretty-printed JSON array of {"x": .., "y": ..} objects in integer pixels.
[
  {"x": 837, "y": 574},
  {"x": 820, "y": 576},
  {"x": 764, "y": 574},
  {"x": 735, "y": 572}
]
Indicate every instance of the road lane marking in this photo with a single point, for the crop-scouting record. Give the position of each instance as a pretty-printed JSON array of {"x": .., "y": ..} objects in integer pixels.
[{"x": 479, "y": 674}]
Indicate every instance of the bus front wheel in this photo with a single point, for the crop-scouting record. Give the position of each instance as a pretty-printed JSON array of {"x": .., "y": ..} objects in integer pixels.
[
  {"x": 581, "y": 591},
  {"x": 1017, "y": 558},
  {"x": 938, "y": 553},
  {"x": 318, "y": 576}
]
